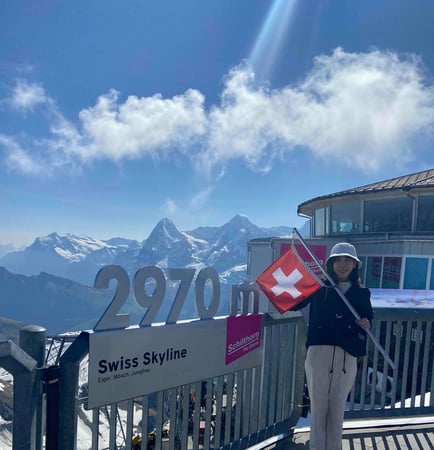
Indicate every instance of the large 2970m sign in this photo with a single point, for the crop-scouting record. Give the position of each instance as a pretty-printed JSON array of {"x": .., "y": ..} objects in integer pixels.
[
  {"x": 154, "y": 276},
  {"x": 131, "y": 361}
]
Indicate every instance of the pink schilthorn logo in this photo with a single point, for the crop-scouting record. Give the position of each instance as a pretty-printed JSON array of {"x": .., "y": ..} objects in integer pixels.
[{"x": 243, "y": 335}]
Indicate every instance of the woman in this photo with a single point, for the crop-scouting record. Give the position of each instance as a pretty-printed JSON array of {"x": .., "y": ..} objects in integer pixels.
[{"x": 335, "y": 339}]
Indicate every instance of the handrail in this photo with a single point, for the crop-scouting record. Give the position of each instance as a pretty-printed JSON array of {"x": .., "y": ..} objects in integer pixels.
[{"x": 246, "y": 407}]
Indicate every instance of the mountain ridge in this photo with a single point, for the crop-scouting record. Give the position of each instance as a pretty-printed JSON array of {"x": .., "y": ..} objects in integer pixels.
[
  {"x": 80, "y": 257},
  {"x": 56, "y": 273},
  {"x": 55, "y": 303}
]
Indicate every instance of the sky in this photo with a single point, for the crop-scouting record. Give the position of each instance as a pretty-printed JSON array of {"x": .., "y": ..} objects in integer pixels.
[{"x": 116, "y": 114}]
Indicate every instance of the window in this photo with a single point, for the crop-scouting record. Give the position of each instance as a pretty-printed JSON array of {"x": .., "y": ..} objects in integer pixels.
[
  {"x": 321, "y": 222},
  {"x": 391, "y": 273},
  {"x": 393, "y": 214},
  {"x": 425, "y": 213},
  {"x": 381, "y": 272},
  {"x": 373, "y": 271},
  {"x": 345, "y": 217},
  {"x": 415, "y": 273}
]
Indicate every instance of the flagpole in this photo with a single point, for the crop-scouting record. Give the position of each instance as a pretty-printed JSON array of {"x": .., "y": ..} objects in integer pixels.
[{"x": 345, "y": 300}]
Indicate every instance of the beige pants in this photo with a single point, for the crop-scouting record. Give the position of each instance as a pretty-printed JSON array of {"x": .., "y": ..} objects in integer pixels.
[{"x": 330, "y": 374}]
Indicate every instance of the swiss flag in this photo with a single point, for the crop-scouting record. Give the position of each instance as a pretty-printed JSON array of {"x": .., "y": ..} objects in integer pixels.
[{"x": 288, "y": 281}]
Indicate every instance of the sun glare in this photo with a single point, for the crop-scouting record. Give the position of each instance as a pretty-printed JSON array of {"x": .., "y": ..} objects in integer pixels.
[{"x": 271, "y": 37}]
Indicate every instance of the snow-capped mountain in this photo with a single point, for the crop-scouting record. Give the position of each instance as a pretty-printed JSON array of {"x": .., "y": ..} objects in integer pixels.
[
  {"x": 80, "y": 257},
  {"x": 70, "y": 256},
  {"x": 166, "y": 246},
  {"x": 55, "y": 274}
]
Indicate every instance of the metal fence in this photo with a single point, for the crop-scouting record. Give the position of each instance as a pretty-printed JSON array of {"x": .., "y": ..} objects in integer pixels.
[
  {"x": 235, "y": 410},
  {"x": 231, "y": 411},
  {"x": 380, "y": 391}
]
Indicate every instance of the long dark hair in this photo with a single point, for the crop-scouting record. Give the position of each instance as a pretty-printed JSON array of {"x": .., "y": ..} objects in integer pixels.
[{"x": 353, "y": 277}]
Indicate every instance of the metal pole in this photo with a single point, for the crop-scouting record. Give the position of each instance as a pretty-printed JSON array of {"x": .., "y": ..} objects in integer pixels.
[
  {"x": 33, "y": 340},
  {"x": 23, "y": 368},
  {"x": 50, "y": 379},
  {"x": 68, "y": 385},
  {"x": 345, "y": 300}
]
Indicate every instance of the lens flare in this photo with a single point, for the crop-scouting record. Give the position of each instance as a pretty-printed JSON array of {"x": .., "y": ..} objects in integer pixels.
[{"x": 271, "y": 38}]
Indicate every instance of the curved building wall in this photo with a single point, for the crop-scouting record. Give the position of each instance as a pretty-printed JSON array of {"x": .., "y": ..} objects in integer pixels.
[
  {"x": 393, "y": 231},
  {"x": 398, "y": 214}
]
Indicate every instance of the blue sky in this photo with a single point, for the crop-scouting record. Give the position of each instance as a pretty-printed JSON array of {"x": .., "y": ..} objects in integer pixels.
[{"x": 115, "y": 114}]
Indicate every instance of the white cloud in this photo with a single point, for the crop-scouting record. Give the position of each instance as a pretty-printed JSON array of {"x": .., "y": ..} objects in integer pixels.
[
  {"x": 354, "y": 108},
  {"x": 242, "y": 126},
  {"x": 141, "y": 126},
  {"x": 365, "y": 107},
  {"x": 19, "y": 160},
  {"x": 201, "y": 197},
  {"x": 26, "y": 95},
  {"x": 357, "y": 108},
  {"x": 183, "y": 213},
  {"x": 169, "y": 207}
]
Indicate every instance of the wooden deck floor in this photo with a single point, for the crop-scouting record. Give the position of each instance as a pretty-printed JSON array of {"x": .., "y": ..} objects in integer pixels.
[{"x": 390, "y": 437}]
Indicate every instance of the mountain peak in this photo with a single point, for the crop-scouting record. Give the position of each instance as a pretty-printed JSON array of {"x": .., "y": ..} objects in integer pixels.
[
  {"x": 240, "y": 219},
  {"x": 80, "y": 257},
  {"x": 165, "y": 222},
  {"x": 166, "y": 227},
  {"x": 164, "y": 233}
]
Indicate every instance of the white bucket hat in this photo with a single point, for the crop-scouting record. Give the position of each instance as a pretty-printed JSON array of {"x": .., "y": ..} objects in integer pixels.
[{"x": 344, "y": 249}]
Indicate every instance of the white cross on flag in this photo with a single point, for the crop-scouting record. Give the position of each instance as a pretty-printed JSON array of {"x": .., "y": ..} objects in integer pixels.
[{"x": 288, "y": 281}]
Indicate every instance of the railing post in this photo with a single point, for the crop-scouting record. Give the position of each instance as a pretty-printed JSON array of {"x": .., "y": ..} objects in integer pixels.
[
  {"x": 69, "y": 366},
  {"x": 50, "y": 379},
  {"x": 248, "y": 296},
  {"x": 23, "y": 368},
  {"x": 33, "y": 341}
]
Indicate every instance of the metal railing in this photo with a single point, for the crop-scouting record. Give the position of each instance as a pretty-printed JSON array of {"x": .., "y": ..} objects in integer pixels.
[
  {"x": 231, "y": 411},
  {"x": 235, "y": 410},
  {"x": 407, "y": 336}
]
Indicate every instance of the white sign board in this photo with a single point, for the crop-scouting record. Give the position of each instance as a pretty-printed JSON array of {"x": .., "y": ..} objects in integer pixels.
[{"x": 128, "y": 363}]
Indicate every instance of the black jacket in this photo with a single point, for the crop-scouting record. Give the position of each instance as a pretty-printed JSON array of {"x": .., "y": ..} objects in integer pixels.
[{"x": 332, "y": 323}]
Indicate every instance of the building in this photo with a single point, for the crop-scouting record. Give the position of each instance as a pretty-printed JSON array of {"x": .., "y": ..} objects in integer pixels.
[{"x": 390, "y": 222}]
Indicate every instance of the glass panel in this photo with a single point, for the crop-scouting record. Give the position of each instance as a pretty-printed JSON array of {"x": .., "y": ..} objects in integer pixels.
[
  {"x": 425, "y": 213},
  {"x": 431, "y": 283},
  {"x": 393, "y": 214},
  {"x": 391, "y": 273},
  {"x": 320, "y": 222},
  {"x": 345, "y": 217},
  {"x": 415, "y": 273},
  {"x": 373, "y": 271}
]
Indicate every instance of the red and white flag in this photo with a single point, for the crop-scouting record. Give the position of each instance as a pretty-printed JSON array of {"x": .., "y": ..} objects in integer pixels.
[{"x": 287, "y": 281}]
